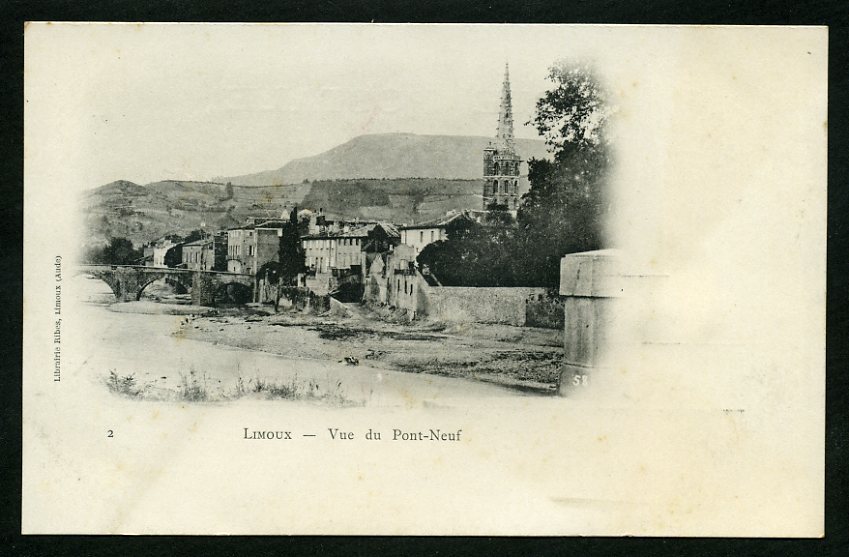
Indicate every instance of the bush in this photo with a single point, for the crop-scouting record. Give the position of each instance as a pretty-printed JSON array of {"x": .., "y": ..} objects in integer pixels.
[
  {"x": 125, "y": 385},
  {"x": 193, "y": 389}
]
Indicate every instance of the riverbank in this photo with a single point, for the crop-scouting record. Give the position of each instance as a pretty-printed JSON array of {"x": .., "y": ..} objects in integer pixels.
[{"x": 518, "y": 357}]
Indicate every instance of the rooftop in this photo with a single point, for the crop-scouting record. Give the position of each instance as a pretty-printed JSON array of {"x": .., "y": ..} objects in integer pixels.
[
  {"x": 440, "y": 222},
  {"x": 359, "y": 232}
]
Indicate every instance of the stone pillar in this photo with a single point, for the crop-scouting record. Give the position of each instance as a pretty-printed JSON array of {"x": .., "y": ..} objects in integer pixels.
[
  {"x": 589, "y": 283},
  {"x": 126, "y": 285},
  {"x": 203, "y": 289}
]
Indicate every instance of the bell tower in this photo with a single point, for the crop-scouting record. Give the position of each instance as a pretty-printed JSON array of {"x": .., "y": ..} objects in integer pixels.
[{"x": 500, "y": 160}]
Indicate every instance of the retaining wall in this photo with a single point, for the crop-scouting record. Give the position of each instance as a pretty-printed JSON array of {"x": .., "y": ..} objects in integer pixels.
[{"x": 505, "y": 306}]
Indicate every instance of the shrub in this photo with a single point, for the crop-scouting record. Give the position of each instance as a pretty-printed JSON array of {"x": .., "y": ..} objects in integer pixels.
[
  {"x": 193, "y": 389},
  {"x": 125, "y": 385}
]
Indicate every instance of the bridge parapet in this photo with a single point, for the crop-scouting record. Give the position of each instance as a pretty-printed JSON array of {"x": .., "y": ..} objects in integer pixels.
[{"x": 129, "y": 281}]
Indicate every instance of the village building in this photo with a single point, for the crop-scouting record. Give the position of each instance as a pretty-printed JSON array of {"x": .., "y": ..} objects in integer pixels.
[
  {"x": 320, "y": 224},
  {"x": 340, "y": 259},
  {"x": 335, "y": 252},
  {"x": 417, "y": 236},
  {"x": 382, "y": 239},
  {"x": 500, "y": 160},
  {"x": 251, "y": 246},
  {"x": 206, "y": 254},
  {"x": 166, "y": 252},
  {"x": 147, "y": 255}
]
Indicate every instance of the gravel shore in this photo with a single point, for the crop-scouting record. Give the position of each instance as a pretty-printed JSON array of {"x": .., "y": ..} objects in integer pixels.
[{"x": 518, "y": 357}]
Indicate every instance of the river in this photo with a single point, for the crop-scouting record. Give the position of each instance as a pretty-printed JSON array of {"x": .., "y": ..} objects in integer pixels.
[{"x": 150, "y": 348}]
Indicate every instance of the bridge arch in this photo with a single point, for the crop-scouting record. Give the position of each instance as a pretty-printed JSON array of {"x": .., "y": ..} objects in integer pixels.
[
  {"x": 106, "y": 276},
  {"x": 178, "y": 282},
  {"x": 232, "y": 293},
  {"x": 114, "y": 286},
  {"x": 128, "y": 282}
]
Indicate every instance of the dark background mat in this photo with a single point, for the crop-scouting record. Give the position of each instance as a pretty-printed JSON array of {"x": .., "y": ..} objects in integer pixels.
[{"x": 833, "y": 13}]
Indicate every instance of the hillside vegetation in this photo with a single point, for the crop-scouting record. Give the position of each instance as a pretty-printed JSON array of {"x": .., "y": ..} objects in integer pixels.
[{"x": 144, "y": 213}]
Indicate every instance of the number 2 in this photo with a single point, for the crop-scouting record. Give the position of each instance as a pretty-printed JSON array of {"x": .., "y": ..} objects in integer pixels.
[{"x": 109, "y": 433}]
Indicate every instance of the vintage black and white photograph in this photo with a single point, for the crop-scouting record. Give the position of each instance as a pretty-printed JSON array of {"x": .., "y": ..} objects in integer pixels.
[{"x": 424, "y": 279}]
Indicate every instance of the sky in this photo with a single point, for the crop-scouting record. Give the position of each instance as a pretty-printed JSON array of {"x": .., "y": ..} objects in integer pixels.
[{"x": 146, "y": 102}]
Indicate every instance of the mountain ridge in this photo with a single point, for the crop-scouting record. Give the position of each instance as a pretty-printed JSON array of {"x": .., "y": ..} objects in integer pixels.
[
  {"x": 143, "y": 213},
  {"x": 390, "y": 155}
]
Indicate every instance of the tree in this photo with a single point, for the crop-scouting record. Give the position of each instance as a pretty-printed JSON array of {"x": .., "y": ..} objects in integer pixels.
[
  {"x": 194, "y": 235},
  {"x": 119, "y": 251},
  {"x": 291, "y": 253},
  {"x": 564, "y": 210},
  {"x": 473, "y": 255},
  {"x": 498, "y": 214},
  {"x": 574, "y": 113},
  {"x": 291, "y": 259}
]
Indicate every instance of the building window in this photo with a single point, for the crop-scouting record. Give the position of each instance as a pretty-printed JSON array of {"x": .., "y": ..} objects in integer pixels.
[
  {"x": 421, "y": 236},
  {"x": 496, "y": 168}
]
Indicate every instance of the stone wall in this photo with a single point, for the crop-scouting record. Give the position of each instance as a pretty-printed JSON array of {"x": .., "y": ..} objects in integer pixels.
[
  {"x": 505, "y": 306},
  {"x": 521, "y": 307}
]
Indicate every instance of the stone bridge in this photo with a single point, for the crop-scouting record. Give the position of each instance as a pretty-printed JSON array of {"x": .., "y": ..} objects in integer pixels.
[{"x": 129, "y": 281}]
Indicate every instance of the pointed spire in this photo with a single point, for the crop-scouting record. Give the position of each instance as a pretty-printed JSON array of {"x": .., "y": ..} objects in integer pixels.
[{"x": 504, "y": 134}]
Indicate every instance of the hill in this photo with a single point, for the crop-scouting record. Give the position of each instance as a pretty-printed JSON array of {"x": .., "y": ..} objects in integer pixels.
[
  {"x": 145, "y": 213},
  {"x": 402, "y": 178},
  {"x": 393, "y": 155}
]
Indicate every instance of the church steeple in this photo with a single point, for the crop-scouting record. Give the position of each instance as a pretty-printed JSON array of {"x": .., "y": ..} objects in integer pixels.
[
  {"x": 500, "y": 160},
  {"x": 504, "y": 134}
]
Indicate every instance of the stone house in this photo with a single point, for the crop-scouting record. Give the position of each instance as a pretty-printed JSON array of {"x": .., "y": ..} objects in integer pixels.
[
  {"x": 167, "y": 251},
  {"x": 251, "y": 246},
  {"x": 206, "y": 254},
  {"x": 417, "y": 236},
  {"x": 344, "y": 251}
]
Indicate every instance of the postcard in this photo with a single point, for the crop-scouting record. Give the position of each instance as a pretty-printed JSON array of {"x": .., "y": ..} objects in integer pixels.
[{"x": 555, "y": 280}]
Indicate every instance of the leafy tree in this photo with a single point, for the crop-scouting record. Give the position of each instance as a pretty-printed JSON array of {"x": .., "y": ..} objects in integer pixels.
[
  {"x": 473, "y": 255},
  {"x": 291, "y": 258},
  {"x": 498, "y": 214},
  {"x": 564, "y": 209},
  {"x": 119, "y": 251},
  {"x": 291, "y": 253},
  {"x": 573, "y": 114},
  {"x": 194, "y": 235}
]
